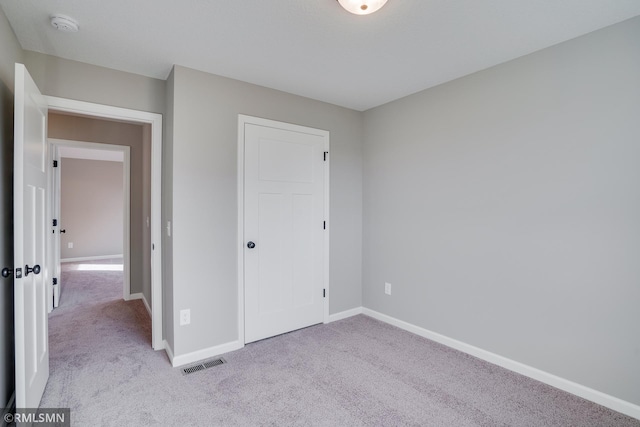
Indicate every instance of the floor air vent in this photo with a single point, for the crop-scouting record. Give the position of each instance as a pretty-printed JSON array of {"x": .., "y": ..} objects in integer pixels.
[{"x": 201, "y": 366}]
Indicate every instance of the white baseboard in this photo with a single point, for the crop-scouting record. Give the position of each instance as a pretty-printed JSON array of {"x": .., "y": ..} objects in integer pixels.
[
  {"x": 140, "y": 295},
  {"x": 596, "y": 396},
  {"x": 168, "y": 350},
  {"x": 147, "y": 306},
  {"x": 206, "y": 353},
  {"x": 91, "y": 258},
  {"x": 344, "y": 314},
  {"x": 131, "y": 297}
]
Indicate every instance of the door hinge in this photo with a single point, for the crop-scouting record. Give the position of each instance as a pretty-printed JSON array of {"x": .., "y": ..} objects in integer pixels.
[
  {"x": 55, "y": 222},
  {"x": 324, "y": 225},
  {"x": 55, "y": 163},
  {"x": 55, "y": 280},
  {"x": 153, "y": 247},
  {"x": 325, "y": 155},
  {"x": 324, "y": 293}
]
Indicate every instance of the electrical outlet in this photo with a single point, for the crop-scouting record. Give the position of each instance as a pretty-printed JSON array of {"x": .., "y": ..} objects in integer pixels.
[
  {"x": 387, "y": 288},
  {"x": 70, "y": 245},
  {"x": 185, "y": 317}
]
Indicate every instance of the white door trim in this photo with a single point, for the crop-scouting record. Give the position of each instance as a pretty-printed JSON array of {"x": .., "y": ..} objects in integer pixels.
[
  {"x": 53, "y": 245},
  {"x": 155, "y": 121},
  {"x": 242, "y": 121},
  {"x": 126, "y": 201}
]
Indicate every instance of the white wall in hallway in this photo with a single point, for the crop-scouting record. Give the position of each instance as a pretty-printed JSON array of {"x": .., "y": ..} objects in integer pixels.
[{"x": 91, "y": 208}]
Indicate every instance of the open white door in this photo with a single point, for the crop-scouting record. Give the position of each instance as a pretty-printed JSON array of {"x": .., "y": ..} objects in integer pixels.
[{"x": 30, "y": 229}]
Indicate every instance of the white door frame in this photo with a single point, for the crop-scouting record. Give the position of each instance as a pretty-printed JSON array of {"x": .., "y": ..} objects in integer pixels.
[
  {"x": 53, "y": 246},
  {"x": 242, "y": 121},
  {"x": 155, "y": 121},
  {"x": 126, "y": 223}
]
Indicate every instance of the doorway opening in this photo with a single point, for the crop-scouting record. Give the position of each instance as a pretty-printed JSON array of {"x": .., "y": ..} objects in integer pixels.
[
  {"x": 151, "y": 224},
  {"x": 91, "y": 210}
]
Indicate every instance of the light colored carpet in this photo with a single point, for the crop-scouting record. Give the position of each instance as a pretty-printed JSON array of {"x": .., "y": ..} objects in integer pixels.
[{"x": 355, "y": 372}]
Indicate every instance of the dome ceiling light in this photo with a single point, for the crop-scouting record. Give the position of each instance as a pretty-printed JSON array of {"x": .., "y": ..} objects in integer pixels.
[{"x": 362, "y": 7}]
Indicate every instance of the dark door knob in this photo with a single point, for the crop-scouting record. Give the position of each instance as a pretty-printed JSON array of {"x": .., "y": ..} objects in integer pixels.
[
  {"x": 251, "y": 245},
  {"x": 63, "y": 230},
  {"x": 35, "y": 270},
  {"x": 6, "y": 272}
]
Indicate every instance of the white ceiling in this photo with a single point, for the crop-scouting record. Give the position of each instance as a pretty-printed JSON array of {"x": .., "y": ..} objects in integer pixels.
[{"x": 311, "y": 48}]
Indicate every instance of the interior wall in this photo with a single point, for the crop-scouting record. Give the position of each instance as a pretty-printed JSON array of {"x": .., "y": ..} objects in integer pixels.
[
  {"x": 503, "y": 208},
  {"x": 87, "y": 129},
  {"x": 76, "y": 80},
  {"x": 91, "y": 202},
  {"x": 205, "y": 217},
  {"x": 10, "y": 53}
]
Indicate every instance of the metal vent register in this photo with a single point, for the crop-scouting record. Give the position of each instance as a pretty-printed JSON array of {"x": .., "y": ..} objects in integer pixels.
[{"x": 201, "y": 366}]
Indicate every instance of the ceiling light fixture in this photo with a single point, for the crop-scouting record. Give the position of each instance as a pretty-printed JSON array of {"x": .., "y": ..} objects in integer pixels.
[
  {"x": 362, "y": 7},
  {"x": 64, "y": 23}
]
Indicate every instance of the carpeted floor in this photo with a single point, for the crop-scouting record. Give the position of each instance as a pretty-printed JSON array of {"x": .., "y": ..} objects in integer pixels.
[{"x": 355, "y": 372}]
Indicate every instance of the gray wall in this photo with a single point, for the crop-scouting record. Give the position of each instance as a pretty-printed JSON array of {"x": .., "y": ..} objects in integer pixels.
[
  {"x": 91, "y": 199},
  {"x": 76, "y": 80},
  {"x": 503, "y": 207},
  {"x": 10, "y": 53},
  {"x": 86, "y": 129},
  {"x": 204, "y": 165}
]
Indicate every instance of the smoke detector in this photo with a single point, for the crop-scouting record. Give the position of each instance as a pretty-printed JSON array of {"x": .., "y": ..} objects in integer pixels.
[{"x": 64, "y": 23}]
